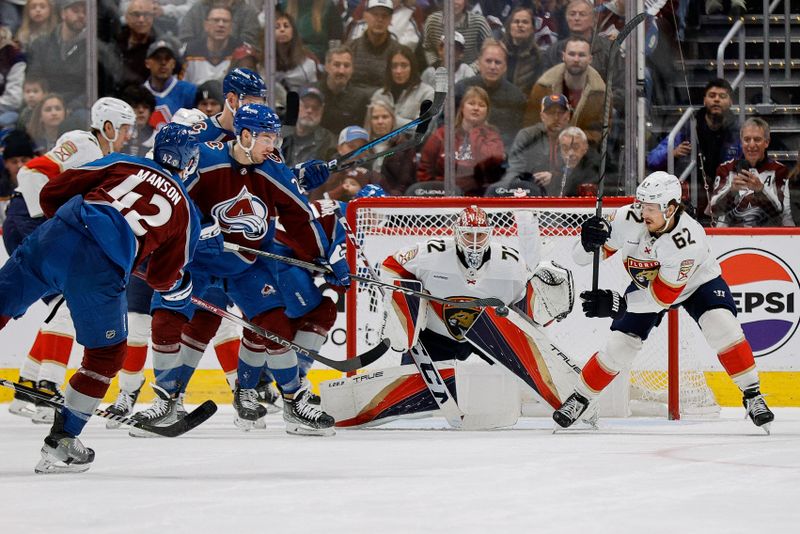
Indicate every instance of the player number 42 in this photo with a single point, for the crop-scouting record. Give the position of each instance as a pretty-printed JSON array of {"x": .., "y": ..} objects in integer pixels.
[{"x": 125, "y": 197}]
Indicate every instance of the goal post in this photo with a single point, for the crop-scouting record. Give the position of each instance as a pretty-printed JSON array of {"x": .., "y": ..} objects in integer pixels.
[{"x": 381, "y": 226}]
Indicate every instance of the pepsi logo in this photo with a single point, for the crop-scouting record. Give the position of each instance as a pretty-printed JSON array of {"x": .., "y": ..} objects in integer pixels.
[{"x": 767, "y": 292}]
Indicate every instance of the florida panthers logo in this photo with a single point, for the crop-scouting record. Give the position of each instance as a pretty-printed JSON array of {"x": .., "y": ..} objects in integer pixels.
[
  {"x": 459, "y": 320},
  {"x": 642, "y": 271},
  {"x": 246, "y": 214}
]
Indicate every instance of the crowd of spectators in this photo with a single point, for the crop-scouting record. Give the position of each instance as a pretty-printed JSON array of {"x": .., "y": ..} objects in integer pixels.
[{"x": 530, "y": 83}]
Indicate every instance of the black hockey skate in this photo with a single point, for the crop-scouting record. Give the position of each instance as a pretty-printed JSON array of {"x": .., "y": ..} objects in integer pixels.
[
  {"x": 312, "y": 398},
  {"x": 44, "y": 412},
  {"x": 304, "y": 418},
  {"x": 248, "y": 410},
  {"x": 63, "y": 453},
  {"x": 269, "y": 396},
  {"x": 757, "y": 409},
  {"x": 571, "y": 410},
  {"x": 123, "y": 406},
  {"x": 163, "y": 412},
  {"x": 23, "y": 404}
]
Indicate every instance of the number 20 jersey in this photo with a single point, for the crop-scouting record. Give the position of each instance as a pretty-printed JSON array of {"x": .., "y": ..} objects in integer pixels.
[{"x": 666, "y": 269}]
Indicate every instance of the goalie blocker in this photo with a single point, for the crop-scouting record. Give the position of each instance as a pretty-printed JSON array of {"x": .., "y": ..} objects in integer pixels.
[{"x": 488, "y": 396}]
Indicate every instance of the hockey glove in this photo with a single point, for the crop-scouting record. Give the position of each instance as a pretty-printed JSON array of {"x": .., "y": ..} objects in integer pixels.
[
  {"x": 603, "y": 303},
  {"x": 211, "y": 240},
  {"x": 340, "y": 277},
  {"x": 311, "y": 174},
  {"x": 595, "y": 231},
  {"x": 179, "y": 296}
]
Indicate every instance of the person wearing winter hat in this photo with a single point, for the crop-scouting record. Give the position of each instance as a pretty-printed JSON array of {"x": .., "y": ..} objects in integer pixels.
[{"x": 17, "y": 151}]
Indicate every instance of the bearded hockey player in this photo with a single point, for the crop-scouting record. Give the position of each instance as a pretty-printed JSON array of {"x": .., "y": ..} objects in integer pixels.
[{"x": 671, "y": 264}]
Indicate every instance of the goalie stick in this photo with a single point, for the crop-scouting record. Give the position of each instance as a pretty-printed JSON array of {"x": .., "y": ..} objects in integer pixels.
[
  {"x": 352, "y": 158},
  {"x": 612, "y": 56},
  {"x": 345, "y": 366},
  {"x": 485, "y": 302},
  {"x": 193, "y": 419}
]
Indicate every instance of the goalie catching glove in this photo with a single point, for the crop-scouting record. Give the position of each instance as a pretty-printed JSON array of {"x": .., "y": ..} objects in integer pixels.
[
  {"x": 554, "y": 292},
  {"x": 603, "y": 303},
  {"x": 595, "y": 231}
]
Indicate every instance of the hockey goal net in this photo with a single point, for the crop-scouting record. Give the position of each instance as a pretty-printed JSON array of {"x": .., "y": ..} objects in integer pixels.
[{"x": 657, "y": 384}]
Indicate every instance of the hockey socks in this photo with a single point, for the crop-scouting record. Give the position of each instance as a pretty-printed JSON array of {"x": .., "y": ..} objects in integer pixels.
[
  {"x": 739, "y": 363},
  {"x": 228, "y": 355},
  {"x": 596, "y": 376},
  {"x": 252, "y": 358},
  {"x": 284, "y": 368},
  {"x": 131, "y": 376},
  {"x": 309, "y": 340}
]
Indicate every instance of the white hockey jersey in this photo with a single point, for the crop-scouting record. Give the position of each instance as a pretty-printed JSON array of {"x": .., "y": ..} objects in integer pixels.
[
  {"x": 434, "y": 263},
  {"x": 73, "y": 149},
  {"x": 667, "y": 268}
]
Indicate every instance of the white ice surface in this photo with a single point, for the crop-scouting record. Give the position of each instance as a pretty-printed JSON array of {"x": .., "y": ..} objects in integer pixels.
[{"x": 631, "y": 476}]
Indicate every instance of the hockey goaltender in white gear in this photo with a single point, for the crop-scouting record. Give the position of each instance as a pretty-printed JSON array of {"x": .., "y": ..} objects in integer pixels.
[
  {"x": 668, "y": 257},
  {"x": 467, "y": 266}
]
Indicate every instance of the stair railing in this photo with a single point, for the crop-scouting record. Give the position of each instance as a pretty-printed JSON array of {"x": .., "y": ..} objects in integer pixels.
[
  {"x": 737, "y": 28},
  {"x": 691, "y": 169}
]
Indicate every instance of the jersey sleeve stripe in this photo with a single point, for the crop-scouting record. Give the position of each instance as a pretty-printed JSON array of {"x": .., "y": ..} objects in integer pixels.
[
  {"x": 394, "y": 266},
  {"x": 663, "y": 292}
]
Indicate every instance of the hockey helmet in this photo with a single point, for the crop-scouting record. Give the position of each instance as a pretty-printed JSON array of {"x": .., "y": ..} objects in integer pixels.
[
  {"x": 113, "y": 110},
  {"x": 472, "y": 236},
  {"x": 256, "y": 118},
  {"x": 659, "y": 188},
  {"x": 370, "y": 191},
  {"x": 244, "y": 82},
  {"x": 176, "y": 148},
  {"x": 188, "y": 117}
]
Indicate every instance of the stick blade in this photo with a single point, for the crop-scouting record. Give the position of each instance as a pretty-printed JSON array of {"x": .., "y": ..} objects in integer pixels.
[{"x": 192, "y": 420}]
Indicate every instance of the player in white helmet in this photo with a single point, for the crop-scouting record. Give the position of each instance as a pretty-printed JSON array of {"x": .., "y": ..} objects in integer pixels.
[
  {"x": 671, "y": 264},
  {"x": 112, "y": 125}
]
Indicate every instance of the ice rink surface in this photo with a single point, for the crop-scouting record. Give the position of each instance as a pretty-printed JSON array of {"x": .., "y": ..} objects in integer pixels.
[{"x": 631, "y": 476}]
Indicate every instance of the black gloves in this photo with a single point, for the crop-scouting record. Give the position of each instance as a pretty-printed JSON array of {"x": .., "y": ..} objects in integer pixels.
[
  {"x": 603, "y": 303},
  {"x": 595, "y": 231}
]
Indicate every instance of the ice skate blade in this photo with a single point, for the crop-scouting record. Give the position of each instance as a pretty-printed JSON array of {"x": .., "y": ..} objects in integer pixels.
[
  {"x": 141, "y": 433},
  {"x": 245, "y": 425},
  {"x": 21, "y": 409},
  {"x": 43, "y": 416},
  {"x": 261, "y": 424},
  {"x": 300, "y": 430},
  {"x": 50, "y": 465},
  {"x": 272, "y": 408},
  {"x": 113, "y": 425},
  {"x": 766, "y": 428}
]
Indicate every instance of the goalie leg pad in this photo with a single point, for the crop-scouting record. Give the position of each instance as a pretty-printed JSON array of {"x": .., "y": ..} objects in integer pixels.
[{"x": 406, "y": 316}]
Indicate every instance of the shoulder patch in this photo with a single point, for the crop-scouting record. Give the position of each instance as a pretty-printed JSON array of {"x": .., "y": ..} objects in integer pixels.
[
  {"x": 405, "y": 257},
  {"x": 64, "y": 151},
  {"x": 685, "y": 269}
]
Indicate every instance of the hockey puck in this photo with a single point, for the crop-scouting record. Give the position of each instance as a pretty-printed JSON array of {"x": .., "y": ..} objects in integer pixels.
[{"x": 501, "y": 311}]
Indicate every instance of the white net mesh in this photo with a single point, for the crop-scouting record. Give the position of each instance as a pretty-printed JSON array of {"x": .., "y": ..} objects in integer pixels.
[{"x": 382, "y": 226}]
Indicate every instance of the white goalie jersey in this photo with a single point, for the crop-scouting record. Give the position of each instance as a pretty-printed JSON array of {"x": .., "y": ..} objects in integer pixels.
[
  {"x": 73, "y": 149},
  {"x": 667, "y": 268},
  {"x": 435, "y": 264}
]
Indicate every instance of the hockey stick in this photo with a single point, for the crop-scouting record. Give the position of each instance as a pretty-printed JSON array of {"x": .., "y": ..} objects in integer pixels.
[
  {"x": 439, "y": 95},
  {"x": 345, "y": 366},
  {"x": 292, "y": 109},
  {"x": 491, "y": 301},
  {"x": 612, "y": 56},
  {"x": 180, "y": 427}
]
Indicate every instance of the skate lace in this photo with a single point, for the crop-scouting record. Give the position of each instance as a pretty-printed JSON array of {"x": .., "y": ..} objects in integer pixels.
[
  {"x": 248, "y": 398},
  {"x": 306, "y": 410},
  {"x": 756, "y": 406},
  {"x": 123, "y": 402},
  {"x": 572, "y": 408},
  {"x": 159, "y": 408}
]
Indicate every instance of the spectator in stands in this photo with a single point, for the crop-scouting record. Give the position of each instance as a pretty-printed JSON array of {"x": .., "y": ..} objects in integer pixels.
[
  {"x": 524, "y": 61},
  {"x": 380, "y": 120},
  {"x": 479, "y": 147},
  {"x": 716, "y": 7},
  {"x": 471, "y": 25},
  {"x": 209, "y": 98},
  {"x": 581, "y": 165},
  {"x": 12, "y": 75},
  {"x": 308, "y": 140},
  {"x": 579, "y": 82},
  {"x": 39, "y": 18},
  {"x": 717, "y": 141},
  {"x": 17, "y": 149},
  {"x": 133, "y": 41},
  {"x": 403, "y": 88},
  {"x": 170, "y": 92},
  {"x": 209, "y": 57},
  {"x": 318, "y": 22},
  {"x": 462, "y": 69},
  {"x": 508, "y": 102},
  {"x": 403, "y": 26},
  {"x": 346, "y": 104},
  {"x": 244, "y": 27},
  {"x": 60, "y": 58},
  {"x": 754, "y": 190},
  {"x": 296, "y": 66},
  {"x": 144, "y": 104},
  {"x": 373, "y": 50},
  {"x": 45, "y": 124},
  {"x": 10, "y": 15},
  {"x": 247, "y": 56},
  {"x": 33, "y": 91},
  {"x": 168, "y": 13},
  {"x": 344, "y": 184},
  {"x": 535, "y": 154},
  {"x": 580, "y": 21}
]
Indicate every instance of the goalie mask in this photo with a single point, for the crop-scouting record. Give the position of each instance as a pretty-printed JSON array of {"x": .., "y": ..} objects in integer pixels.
[{"x": 473, "y": 234}]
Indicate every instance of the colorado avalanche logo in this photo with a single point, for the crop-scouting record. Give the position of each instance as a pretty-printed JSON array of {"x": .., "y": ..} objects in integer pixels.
[
  {"x": 246, "y": 214},
  {"x": 765, "y": 290}
]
